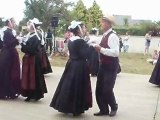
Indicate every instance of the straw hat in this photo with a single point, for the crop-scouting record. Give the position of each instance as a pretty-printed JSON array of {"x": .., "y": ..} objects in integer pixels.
[{"x": 109, "y": 18}]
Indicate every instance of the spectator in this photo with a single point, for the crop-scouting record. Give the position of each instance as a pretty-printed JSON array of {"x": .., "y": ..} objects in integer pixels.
[
  {"x": 120, "y": 43},
  {"x": 49, "y": 43},
  {"x": 147, "y": 42},
  {"x": 154, "y": 58},
  {"x": 126, "y": 43}
]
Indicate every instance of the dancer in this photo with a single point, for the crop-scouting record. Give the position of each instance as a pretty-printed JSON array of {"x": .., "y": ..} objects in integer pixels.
[
  {"x": 109, "y": 65},
  {"x": 33, "y": 83},
  {"x": 9, "y": 63},
  {"x": 73, "y": 94}
]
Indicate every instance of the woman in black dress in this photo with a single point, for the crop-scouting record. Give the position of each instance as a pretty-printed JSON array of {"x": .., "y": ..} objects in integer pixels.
[
  {"x": 33, "y": 83},
  {"x": 9, "y": 63},
  {"x": 44, "y": 58},
  {"x": 155, "y": 76},
  {"x": 73, "y": 94},
  {"x": 93, "y": 58}
]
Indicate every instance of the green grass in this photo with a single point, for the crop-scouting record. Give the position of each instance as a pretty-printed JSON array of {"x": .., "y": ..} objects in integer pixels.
[
  {"x": 130, "y": 62},
  {"x": 135, "y": 63}
]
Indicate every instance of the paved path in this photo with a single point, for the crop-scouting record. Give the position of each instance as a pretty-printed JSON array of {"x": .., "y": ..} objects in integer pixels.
[{"x": 135, "y": 96}]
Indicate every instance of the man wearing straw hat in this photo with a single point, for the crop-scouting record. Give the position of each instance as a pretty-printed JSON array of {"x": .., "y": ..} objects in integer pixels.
[{"x": 109, "y": 64}]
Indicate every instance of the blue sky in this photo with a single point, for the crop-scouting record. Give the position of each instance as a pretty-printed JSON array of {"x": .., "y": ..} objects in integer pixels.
[{"x": 138, "y": 9}]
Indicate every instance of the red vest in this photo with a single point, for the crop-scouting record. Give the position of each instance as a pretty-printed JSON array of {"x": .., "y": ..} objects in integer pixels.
[{"x": 104, "y": 43}]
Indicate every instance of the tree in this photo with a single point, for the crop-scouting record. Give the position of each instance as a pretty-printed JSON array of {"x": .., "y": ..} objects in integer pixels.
[
  {"x": 45, "y": 9},
  {"x": 80, "y": 11},
  {"x": 94, "y": 15},
  {"x": 90, "y": 17}
]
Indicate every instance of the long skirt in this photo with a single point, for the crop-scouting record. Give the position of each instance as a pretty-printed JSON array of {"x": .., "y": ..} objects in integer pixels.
[
  {"x": 46, "y": 67},
  {"x": 9, "y": 73},
  {"x": 33, "y": 83},
  {"x": 73, "y": 94},
  {"x": 155, "y": 76}
]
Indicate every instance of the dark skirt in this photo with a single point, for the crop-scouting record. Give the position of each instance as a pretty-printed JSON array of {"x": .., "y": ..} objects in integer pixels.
[
  {"x": 9, "y": 73},
  {"x": 93, "y": 61},
  {"x": 46, "y": 67},
  {"x": 155, "y": 76},
  {"x": 1, "y": 44},
  {"x": 73, "y": 94},
  {"x": 33, "y": 82}
]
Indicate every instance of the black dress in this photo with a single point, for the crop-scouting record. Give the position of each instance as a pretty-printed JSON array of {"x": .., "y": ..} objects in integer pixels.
[
  {"x": 155, "y": 76},
  {"x": 93, "y": 61},
  {"x": 46, "y": 66},
  {"x": 1, "y": 44},
  {"x": 9, "y": 67},
  {"x": 73, "y": 94},
  {"x": 33, "y": 83}
]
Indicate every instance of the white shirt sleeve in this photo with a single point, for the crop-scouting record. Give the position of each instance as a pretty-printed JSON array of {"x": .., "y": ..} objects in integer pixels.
[
  {"x": 113, "y": 43},
  {"x": 94, "y": 40},
  {"x": 45, "y": 35}
]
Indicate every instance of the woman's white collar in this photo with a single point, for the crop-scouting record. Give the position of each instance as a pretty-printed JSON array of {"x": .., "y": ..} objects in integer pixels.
[{"x": 73, "y": 38}]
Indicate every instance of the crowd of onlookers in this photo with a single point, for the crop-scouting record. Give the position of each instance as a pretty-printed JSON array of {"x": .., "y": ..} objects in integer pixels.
[
  {"x": 123, "y": 44},
  {"x": 124, "y": 47}
]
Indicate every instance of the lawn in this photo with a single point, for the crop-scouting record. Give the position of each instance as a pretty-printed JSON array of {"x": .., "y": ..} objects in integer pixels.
[
  {"x": 135, "y": 63},
  {"x": 130, "y": 62}
]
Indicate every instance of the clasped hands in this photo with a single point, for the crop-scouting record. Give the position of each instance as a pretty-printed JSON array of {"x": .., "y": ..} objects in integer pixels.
[{"x": 97, "y": 48}]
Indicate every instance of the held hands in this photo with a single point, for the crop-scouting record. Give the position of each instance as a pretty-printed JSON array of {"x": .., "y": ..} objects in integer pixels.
[
  {"x": 97, "y": 47},
  {"x": 19, "y": 39}
]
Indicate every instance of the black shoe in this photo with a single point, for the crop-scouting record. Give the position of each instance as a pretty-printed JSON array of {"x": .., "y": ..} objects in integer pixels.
[
  {"x": 37, "y": 99},
  {"x": 113, "y": 113},
  {"x": 27, "y": 99},
  {"x": 100, "y": 114},
  {"x": 76, "y": 114}
]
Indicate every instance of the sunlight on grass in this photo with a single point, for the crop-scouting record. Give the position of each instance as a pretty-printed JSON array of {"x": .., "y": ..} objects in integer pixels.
[
  {"x": 130, "y": 62},
  {"x": 135, "y": 63}
]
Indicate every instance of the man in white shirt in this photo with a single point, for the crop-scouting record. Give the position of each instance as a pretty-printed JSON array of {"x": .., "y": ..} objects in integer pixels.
[{"x": 109, "y": 65}]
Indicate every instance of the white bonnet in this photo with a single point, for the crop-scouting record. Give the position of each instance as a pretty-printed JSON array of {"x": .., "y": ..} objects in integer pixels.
[
  {"x": 35, "y": 21},
  {"x": 74, "y": 24},
  {"x": 95, "y": 29}
]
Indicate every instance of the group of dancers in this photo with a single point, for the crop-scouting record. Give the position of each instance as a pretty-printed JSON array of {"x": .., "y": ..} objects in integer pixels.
[
  {"x": 28, "y": 81},
  {"x": 73, "y": 93}
]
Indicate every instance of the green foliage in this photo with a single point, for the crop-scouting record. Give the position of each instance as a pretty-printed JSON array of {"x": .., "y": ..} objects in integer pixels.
[
  {"x": 45, "y": 9},
  {"x": 94, "y": 15},
  {"x": 140, "y": 29},
  {"x": 1, "y": 23},
  {"x": 133, "y": 30},
  {"x": 80, "y": 11},
  {"x": 89, "y": 16}
]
